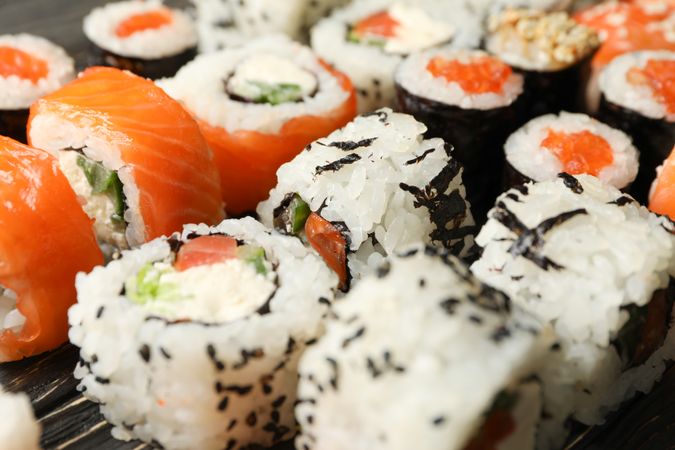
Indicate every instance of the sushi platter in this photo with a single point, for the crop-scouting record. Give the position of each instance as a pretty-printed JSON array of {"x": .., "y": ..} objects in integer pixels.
[{"x": 337, "y": 224}]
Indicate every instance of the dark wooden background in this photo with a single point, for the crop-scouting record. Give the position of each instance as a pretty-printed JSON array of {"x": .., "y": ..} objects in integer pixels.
[{"x": 70, "y": 422}]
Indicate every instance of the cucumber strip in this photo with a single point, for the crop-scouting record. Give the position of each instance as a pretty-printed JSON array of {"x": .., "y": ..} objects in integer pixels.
[
  {"x": 254, "y": 255},
  {"x": 104, "y": 181}
]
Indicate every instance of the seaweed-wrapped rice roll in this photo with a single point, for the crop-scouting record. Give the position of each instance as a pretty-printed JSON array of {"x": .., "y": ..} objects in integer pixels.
[
  {"x": 192, "y": 341},
  {"x": 421, "y": 355}
]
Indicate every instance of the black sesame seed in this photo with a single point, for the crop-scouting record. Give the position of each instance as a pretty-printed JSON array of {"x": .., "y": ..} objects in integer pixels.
[
  {"x": 279, "y": 401},
  {"x": 360, "y": 332},
  {"x": 232, "y": 424},
  {"x": 165, "y": 353},
  {"x": 99, "y": 312},
  {"x": 144, "y": 351},
  {"x": 223, "y": 404},
  {"x": 275, "y": 416},
  {"x": 437, "y": 421},
  {"x": 231, "y": 444},
  {"x": 251, "y": 419}
]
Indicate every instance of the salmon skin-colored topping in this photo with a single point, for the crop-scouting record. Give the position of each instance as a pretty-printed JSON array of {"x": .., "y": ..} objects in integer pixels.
[
  {"x": 205, "y": 250},
  {"x": 659, "y": 75},
  {"x": 580, "y": 152},
  {"x": 379, "y": 24},
  {"x": 482, "y": 75},
  {"x": 329, "y": 242},
  {"x": 497, "y": 427},
  {"x": 21, "y": 64},
  {"x": 662, "y": 198},
  {"x": 150, "y": 20}
]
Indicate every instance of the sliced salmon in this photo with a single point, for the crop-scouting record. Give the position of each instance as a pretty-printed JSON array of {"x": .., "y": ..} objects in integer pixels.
[
  {"x": 482, "y": 75},
  {"x": 15, "y": 62},
  {"x": 150, "y": 20},
  {"x": 580, "y": 152},
  {"x": 662, "y": 197},
  {"x": 205, "y": 250},
  {"x": 378, "y": 24},
  {"x": 329, "y": 242}
]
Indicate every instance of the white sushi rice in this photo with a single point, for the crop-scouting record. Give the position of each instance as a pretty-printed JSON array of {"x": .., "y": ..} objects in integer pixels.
[
  {"x": 525, "y": 153},
  {"x": 414, "y": 356},
  {"x": 188, "y": 384},
  {"x": 413, "y": 76},
  {"x": 381, "y": 217},
  {"x": 10, "y": 317},
  {"x": 216, "y": 27},
  {"x": 616, "y": 88},
  {"x": 18, "y": 428},
  {"x": 19, "y": 93},
  {"x": 169, "y": 40},
  {"x": 200, "y": 86},
  {"x": 611, "y": 254}
]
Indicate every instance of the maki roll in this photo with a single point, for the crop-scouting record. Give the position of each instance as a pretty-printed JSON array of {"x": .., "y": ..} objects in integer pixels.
[
  {"x": 662, "y": 193},
  {"x": 595, "y": 265},
  {"x": 192, "y": 341},
  {"x": 133, "y": 155},
  {"x": 551, "y": 50},
  {"x": 421, "y": 355},
  {"x": 452, "y": 91},
  {"x": 18, "y": 430},
  {"x": 573, "y": 144},
  {"x": 30, "y": 67},
  {"x": 368, "y": 39},
  {"x": 370, "y": 189},
  {"x": 45, "y": 240},
  {"x": 637, "y": 96},
  {"x": 144, "y": 37},
  {"x": 215, "y": 26},
  {"x": 258, "y": 106}
]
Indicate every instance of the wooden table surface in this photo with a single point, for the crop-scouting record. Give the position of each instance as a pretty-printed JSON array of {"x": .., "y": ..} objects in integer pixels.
[{"x": 70, "y": 422}]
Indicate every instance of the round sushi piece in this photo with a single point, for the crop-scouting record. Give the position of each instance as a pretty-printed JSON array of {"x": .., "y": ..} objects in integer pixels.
[
  {"x": 30, "y": 67},
  {"x": 193, "y": 341},
  {"x": 551, "y": 50},
  {"x": 662, "y": 193},
  {"x": 455, "y": 90},
  {"x": 370, "y": 189},
  {"x": 258, "y": 106},
  {"x": 573, "y": 144},
  {"x": 421, "y": 352},
  {"x": 18, "y": 430},
  {"x": 144, "y": 37},
  {"x": 133, "y": 155},
  {"x": 215, "y": 26},
  {"x": 590, "y": 261},
  {"x": 45, "y": 240},
  {"x": 258, "y": 17},
  {"x": 638, "y": 96},
  {"x": 368, "y": 39}
]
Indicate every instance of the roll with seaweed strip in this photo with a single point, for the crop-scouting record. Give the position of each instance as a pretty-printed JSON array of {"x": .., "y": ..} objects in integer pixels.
[
  {"x": 144, "y": 37},
  {"x": 471, "y": 100}
]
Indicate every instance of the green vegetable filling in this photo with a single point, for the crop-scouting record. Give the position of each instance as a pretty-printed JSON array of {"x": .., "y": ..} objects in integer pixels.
[
  {"x": 275, "y": 94},
  {"x": 253, "y": 255},
  {"x": 353, "y": 37},
  {"x": 147, "y": 286},
  {"x": 104, "y": 181},
  {"x": 292, "y": 217}
]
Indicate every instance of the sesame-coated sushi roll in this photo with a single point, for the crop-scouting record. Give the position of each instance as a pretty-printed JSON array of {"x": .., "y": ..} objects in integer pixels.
[
  {"x": 595, "y": 265},
  {"x": 215, "y": 26},
  {"x": 258, "y": 106},
  {"x": 144, "y": 37},
  {"x": 662, "y": 193},
  {"x": 30, "y": 67},
  {"x": 421, "y": 355},
  {"x": 452, "y": 91},
  {"x": 18, "y": 430},
  {"x": 370, "y": 189},
  {"x": 192, "y": 342},
  {"x": 637, "y": 96},
  {"x": 570, "y": 143}
]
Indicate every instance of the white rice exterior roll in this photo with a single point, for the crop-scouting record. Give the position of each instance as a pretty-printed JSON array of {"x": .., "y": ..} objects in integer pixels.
[
  {"x": 525, "y": 153},
  {"x": 192, "y": 385},
  {"x": 216, "y": 27},
  {"x": 611, "y": 253},
  {"x": 372, "y": 194},
  {"x": 412, "y": 358},
  {"x": 19, "y": 93},
  {"x": 18, "y": 429}
]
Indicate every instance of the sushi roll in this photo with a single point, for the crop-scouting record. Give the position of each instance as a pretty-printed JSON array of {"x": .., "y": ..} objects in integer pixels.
[
  {"x": 133, "y": 155},
  {"x": 590, "y": 261},
  {"x": 452, "y": 91},
  {"x": 421, "y": 355},
  {"x": 30, "y": 67},
  {"x": 144, "y": 37},
  {"x": 18, "y": 430},
  {"x": 258, "y": 17},
  {"x": 215, "y": 26},
  {"x": 192, "y": 341},
  {"x": 368, "y": 39},
  {"x": 551, "y": 50},
  {"x": 573, "y": 144},
  {"x": 258, "y": 106},
  {"x": 368, "y": 190},
  {"x": 662, "y": 193},
  {"x": 45, "y": 240},
  {"x": 637, "y": 96}
]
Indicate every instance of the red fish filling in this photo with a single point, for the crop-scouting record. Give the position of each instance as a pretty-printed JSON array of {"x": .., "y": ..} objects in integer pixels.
[
  {"x": 659, "y": 75},
  {"x": 580, "y": 152},
  {"x": 329, "y": 242},
  {"x": 150, "y": 20},
  {"x": 380, "y": 24},
  {"x": 15, "y": 62},
  {"x": 205, "y": 250},
  {"x": 498, "y": 425},
  {"x": 482, "y": 75}
]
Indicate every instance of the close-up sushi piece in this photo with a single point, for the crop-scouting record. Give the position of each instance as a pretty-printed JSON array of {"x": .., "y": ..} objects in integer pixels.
[
  {"x": 258, "y": 106},
  {"x": 215, "y": 26},
  {"x": 638, "y": 96},
  {"x": 590, "y": 261},
  {"x": 370, "y": 189},
  {"x": 368, "y": 39},
  {"x": 551, "y": 50},
  {"x": 421, "y": 355},
  {"x": 662, "y": 192},
  {"x": 471, "y": 100},
  {"x": 193, "y": 341},
  {"x": 18, "y": 429},
  {"x": 573, "y": 144},
  {"x": 30, "y": 67},
  {"x": 133, "y": 155},
  {"x": 45, "y": 240},
  {"x": 144, "y": 37}
]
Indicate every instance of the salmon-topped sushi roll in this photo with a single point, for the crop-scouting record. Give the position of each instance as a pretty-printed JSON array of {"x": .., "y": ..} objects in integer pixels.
[{"x": 662, "y": 195}]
